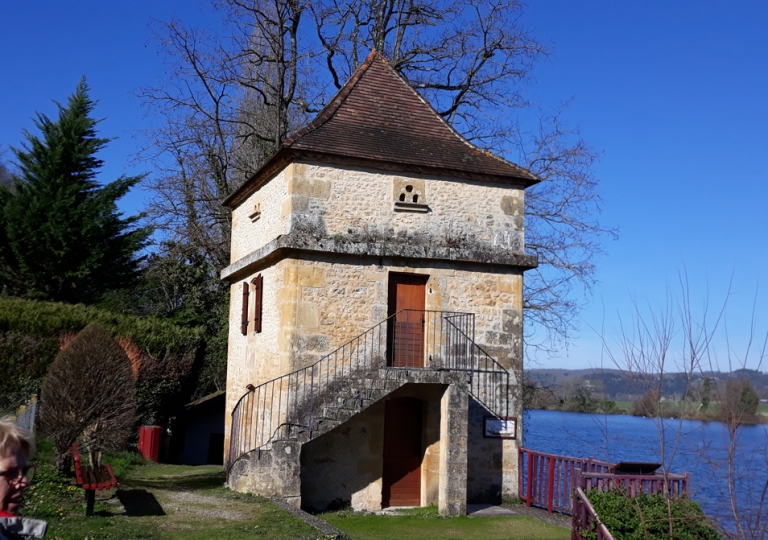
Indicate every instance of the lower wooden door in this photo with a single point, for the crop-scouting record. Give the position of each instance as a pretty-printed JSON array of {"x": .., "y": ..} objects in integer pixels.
[{"x": 401, "y": 476}]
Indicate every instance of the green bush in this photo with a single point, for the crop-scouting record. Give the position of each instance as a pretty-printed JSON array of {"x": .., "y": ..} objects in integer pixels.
[
  {"x": 648, "y": 517},
  {"x": 54, "y": 320}
]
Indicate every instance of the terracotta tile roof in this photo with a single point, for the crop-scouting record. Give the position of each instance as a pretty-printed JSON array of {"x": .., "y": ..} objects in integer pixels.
[{"x": 378, "y": 118}]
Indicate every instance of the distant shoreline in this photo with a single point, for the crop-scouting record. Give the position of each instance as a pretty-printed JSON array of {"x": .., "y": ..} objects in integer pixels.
[{"x": 753, "y": 420}]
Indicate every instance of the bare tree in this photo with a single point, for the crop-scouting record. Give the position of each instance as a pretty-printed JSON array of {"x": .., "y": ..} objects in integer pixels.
[
  {"x": 682, "y": 338},
  {"x": 233, "y": 96},
  {"x": 89, "y": 393}
]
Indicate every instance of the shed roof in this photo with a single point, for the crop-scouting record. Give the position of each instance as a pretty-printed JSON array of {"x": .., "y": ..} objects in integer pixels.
[{"x": 378, "y": 119}]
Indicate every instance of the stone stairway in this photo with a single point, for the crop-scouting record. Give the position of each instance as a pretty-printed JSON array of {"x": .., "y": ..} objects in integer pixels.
[{"x": 271, "y": 422}]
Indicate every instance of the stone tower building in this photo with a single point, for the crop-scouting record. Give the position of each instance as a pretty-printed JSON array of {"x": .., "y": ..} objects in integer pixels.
[{"x": 375, "y": 343}]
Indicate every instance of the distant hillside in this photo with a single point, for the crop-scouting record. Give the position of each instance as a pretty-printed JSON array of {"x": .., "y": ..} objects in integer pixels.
[{"x": 620, "y": 386}]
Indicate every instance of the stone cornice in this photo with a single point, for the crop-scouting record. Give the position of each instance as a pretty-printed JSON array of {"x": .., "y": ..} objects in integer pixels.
[{"x": 291, "y": 244}]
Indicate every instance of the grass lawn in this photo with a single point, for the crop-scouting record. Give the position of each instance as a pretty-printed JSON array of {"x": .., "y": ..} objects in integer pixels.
[
  {"x": 157, "y": 502},
  {"x": 426, "y": 524}
]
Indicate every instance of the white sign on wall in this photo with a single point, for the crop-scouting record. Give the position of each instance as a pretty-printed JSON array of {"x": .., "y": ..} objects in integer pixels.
[{"x": 500, "y": 428}]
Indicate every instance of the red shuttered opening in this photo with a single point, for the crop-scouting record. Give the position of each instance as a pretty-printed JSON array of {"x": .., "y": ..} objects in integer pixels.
[{"x": 258, "y": 288}]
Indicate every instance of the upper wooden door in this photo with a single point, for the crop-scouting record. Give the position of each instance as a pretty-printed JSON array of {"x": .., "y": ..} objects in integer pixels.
[
  {"x": 406, "y": 331},
  {"x": 401, "y": 474}
]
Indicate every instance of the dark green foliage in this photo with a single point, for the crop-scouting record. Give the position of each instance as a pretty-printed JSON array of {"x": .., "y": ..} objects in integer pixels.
[
  {"x": 180, "y": 286},
  {"x": 27, "y": 358},
  {"x": 648, "y": 517},
  {"x": 739, "y": 402},
  {"x": 706, "y": 393},
  {"x": 32, "y": 330},
  {"x": 6, "y": 178},
  {"x": 89, "y": 394},
  {"x": 61, "y": 235},
  {"x": 53, "y": 320}
]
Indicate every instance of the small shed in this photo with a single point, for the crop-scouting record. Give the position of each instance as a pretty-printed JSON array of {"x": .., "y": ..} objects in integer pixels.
[{"x": 202, "y": 425}]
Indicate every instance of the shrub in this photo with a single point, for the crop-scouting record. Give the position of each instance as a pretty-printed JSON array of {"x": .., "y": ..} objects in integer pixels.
[
  {"x": 739, "y": 402},
  {"x": 648, "y": 404},
  {"x": 89, "y": 393},
  {"x": 648, "y": 517}
]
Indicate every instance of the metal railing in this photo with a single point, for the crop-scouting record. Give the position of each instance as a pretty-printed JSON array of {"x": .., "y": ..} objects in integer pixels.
[
  {"x": 550, "y": 481},
  {"x": 632, "y": 485},
  {"x": 586, "y": 522},
  {"x": 349, "y": 377},
  {"x": 547, "y": 480},
  {"x": 490, "y": 380}
]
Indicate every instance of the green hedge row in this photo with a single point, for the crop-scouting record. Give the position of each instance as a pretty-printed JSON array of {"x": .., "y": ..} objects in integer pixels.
[
  {"x": 29, "y": 341},
  {"x": 43, "y": 320}
]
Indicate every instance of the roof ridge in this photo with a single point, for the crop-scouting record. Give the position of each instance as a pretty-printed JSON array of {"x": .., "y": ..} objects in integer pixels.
[{"x": 455, "y": 132}]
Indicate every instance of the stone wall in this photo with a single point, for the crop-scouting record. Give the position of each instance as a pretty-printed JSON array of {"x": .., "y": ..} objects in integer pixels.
[
  {"x": 344, "y": 466},
  {"x": 316, "y": 300},
  {"x": 337, "y": 202},
  {"x": 314, "y": 305}
]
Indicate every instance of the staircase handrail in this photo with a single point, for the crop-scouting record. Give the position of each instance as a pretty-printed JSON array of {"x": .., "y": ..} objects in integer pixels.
[
  {"x": 476, "y": 373},
  {"x": 243, "y": 433}
]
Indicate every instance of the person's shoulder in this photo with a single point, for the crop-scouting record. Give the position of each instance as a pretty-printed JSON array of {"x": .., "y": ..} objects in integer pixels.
[{"x": 16, "y": 527}]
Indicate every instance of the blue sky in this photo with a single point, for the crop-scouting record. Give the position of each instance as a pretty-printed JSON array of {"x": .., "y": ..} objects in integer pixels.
[{"x": 672, "y": 94}]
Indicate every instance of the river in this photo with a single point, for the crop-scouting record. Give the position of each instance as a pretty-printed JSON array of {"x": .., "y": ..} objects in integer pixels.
[{"x": 693, "y": 446}]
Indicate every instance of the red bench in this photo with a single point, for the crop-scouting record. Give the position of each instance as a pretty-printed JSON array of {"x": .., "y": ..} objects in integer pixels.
[{"x": 92, "y": 479}]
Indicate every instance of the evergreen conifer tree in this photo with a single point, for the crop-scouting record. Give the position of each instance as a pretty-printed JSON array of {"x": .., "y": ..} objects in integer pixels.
[{"x": 61, "y": 235}]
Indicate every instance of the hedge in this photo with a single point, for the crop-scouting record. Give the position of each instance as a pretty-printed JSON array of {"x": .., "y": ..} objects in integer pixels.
[
  {"x": 31, "y": 333},
  {"x": 647, "y": 517}
]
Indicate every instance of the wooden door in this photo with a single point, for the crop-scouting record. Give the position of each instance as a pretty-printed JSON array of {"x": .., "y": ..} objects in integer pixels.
[
  {"x": 406, "y": 300},
  {"x": 401, "y": 475}
]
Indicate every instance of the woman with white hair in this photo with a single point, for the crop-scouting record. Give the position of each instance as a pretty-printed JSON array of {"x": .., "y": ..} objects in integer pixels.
[{"x": 17, "y": 446}]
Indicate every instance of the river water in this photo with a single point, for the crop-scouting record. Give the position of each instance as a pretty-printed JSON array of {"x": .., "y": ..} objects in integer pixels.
[{"x": 694, "y": 446}]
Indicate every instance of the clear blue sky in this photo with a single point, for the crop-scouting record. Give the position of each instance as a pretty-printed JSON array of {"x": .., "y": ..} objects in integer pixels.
[{"x": 673, "y": 94}]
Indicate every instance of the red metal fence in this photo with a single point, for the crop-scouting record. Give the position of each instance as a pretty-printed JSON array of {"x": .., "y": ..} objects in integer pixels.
[
  {"x": 634, "y": 484},
  {"x": 549, "y": 480},
  {"x": 546, "y": 479}
]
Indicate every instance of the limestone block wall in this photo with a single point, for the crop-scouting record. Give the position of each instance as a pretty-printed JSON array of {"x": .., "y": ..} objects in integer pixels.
[
  {"x": 250, "y": 232},
  {"x": 361, "y": 204},
  {"x": 492, "y": 464},
  {"x": 314, "y": 305},
  {"x": 344, "y": 466}
]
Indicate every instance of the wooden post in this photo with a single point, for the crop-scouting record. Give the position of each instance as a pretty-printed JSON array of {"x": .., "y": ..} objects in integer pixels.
[
  {"x": 520, "y": 472},
  {"x": 529, "y": 479},
  {"x": 551, "y": 486},
  {"x": 575, "y": 483},
  {"x": 90, "y": 498}
]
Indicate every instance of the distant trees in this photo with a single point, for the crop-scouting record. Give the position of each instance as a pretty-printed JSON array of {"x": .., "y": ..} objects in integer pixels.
[
  {"x": 61, "y": 235},
  {"x": 89, "y": 393},
  {"x": 649, "y": 404},
  {"x": 706, "y": 394},
  {"x": 738, "y": 401}
]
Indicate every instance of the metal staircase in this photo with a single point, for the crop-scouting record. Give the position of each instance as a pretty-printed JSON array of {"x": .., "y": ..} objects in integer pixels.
[{"x": 311, "y": 401}]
